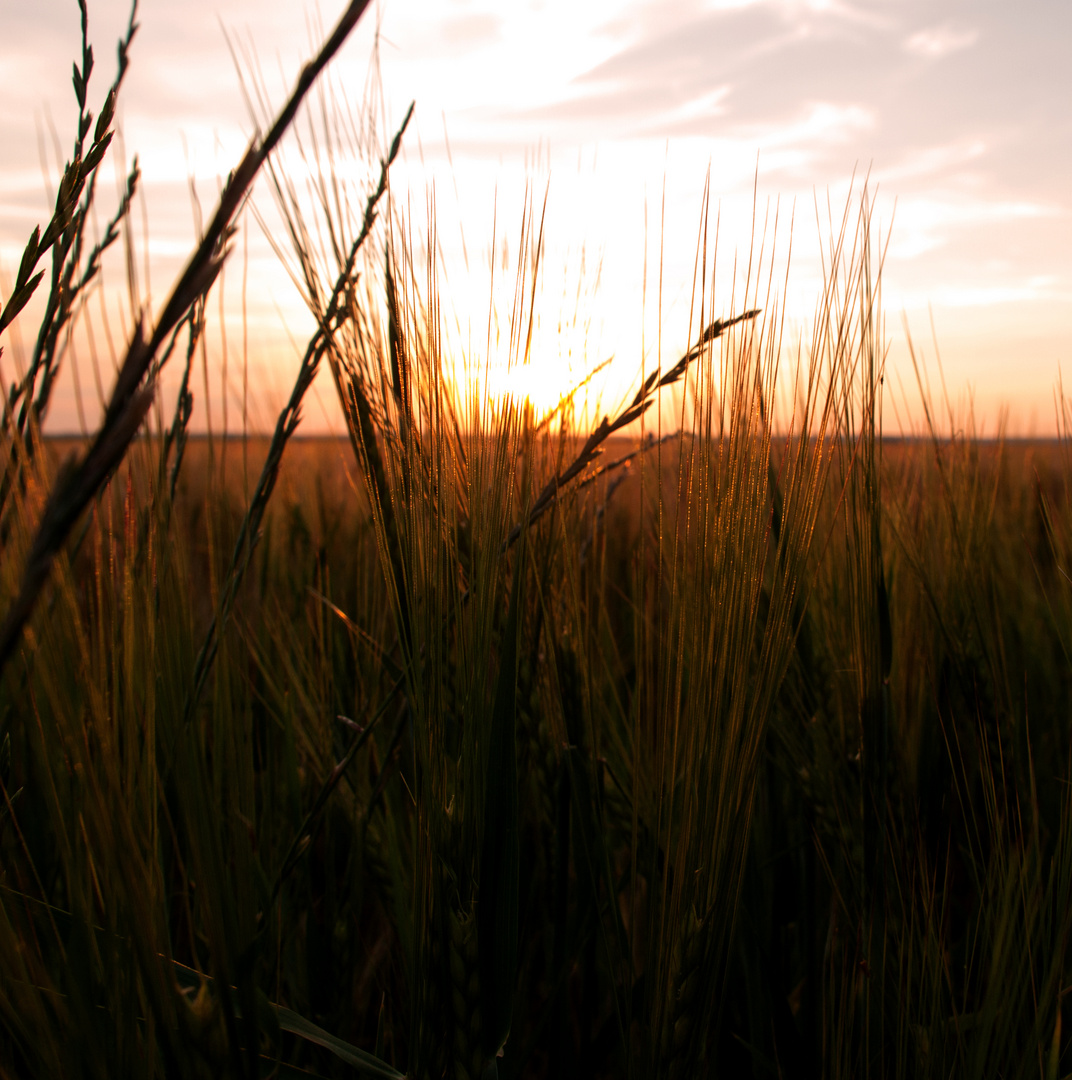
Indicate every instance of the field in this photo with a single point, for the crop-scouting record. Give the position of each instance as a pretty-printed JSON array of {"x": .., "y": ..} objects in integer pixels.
[{"x": 482, "y": 743}]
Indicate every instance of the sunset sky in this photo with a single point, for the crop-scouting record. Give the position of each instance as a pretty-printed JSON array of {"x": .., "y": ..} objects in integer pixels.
[{"x": 958, "y": 111}]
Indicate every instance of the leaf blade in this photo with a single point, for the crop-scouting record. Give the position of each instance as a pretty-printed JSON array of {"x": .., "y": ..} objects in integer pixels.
[{"x": 497, "y": 912}]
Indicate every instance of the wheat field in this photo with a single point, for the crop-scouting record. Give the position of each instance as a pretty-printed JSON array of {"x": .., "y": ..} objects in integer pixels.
[{"x": 480, "y": 742}]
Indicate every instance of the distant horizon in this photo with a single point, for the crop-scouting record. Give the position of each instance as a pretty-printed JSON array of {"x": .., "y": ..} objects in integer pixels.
[{"x": 329, "y": 436}]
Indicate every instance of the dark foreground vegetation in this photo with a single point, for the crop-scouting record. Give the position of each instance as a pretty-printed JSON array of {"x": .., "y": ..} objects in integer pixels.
[{"x": 466, "y": 746}]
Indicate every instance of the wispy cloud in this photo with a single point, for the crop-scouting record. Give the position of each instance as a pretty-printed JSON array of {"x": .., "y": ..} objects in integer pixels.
[
  {"x": 1036, "y": 289},
  {"x": 932, "y": 162},
  {"x": 1042, "y": 287},
  {"x": 925, "y": 224},
  {"x": 695, "y": 112},
  {"x": 934, "y": 42},
  {"x": 821, "y": 122}
]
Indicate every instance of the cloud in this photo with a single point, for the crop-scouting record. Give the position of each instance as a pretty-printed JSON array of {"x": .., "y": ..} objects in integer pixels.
[
  {"x": 1041, "y": 287},
  {"x": 934, "y": 42},
  {"x": 926, "y": 223},
  {"x": 1037, "y": 288},
  {"x": 821, "y": 122},
  {"x": 932, "y": 162},
  {"x": 736, "y": 69}
]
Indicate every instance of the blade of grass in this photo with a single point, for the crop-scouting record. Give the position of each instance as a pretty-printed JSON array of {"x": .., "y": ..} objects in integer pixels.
[{"x": 497, "y": 913}]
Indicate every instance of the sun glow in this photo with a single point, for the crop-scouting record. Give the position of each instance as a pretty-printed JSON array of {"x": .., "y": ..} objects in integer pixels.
[{"x": 542, "y": 382}]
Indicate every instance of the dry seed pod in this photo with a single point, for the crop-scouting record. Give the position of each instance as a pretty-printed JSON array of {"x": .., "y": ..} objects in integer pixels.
[
  {"x": 465, "y": 995},
  {"x": 541, "y": 765},
  {"x": 678, "y": 1043},
  {"x": 435, "y": 1013}
]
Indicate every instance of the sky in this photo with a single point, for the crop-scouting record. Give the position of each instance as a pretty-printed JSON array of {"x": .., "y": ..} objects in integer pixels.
[{"x": 624, "y": 112}]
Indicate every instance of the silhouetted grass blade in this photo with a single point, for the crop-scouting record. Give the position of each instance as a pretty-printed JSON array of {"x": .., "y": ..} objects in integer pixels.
[{"x": 498, "y": 896}]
